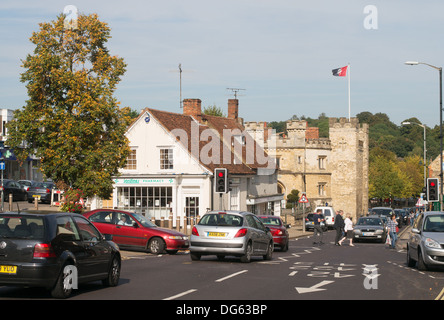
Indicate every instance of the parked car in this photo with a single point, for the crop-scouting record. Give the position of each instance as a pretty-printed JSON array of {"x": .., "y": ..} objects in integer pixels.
[
  {"x": 41, "y": 191},
  {"x": 329, "y": 215},
  {"x": 14, "y": 188},
  {"x": 278, "y": 231},
  {"x": 135, "y": 232},
  {"x": 309, "y": 224},
  {"x": 38, "y": 249},
  {"x": 426, "y": 242},
  {"x": 25, "y": 184},
  {"x": 370, "y": 228},
  {"x": 231, "y": 233}
]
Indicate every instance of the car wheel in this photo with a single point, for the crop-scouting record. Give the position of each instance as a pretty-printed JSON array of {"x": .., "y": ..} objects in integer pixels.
[
  {"x": 113, "y": 277},
  {"x": 285, "y": 248},
  {"x": 421, "y": 264},
  {"x": 269, "y": 254},
  {"x": 156, "y": 246},
  {"x": 63, "y": 286},
  {"x": 246, "y": 258},
  {"x": 410, "y": 262},
  {"x": 195, "y": 257}
]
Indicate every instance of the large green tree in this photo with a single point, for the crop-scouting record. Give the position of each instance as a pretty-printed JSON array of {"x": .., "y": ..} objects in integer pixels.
[{"x": 71, "y": 120}]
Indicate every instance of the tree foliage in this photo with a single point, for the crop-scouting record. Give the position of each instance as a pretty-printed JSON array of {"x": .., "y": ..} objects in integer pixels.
[{"x": 71, "y": 119}]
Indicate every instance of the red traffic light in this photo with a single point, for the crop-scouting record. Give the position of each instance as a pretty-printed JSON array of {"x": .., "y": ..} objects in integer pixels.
[
  {"x": 220, "y": 174},
  {"x": 432, "y": 184}
]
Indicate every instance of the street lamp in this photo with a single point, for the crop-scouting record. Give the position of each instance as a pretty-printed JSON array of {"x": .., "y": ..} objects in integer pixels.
[
  {"x": 414, "y": 63},
  {"x": 425, "y": 150}
]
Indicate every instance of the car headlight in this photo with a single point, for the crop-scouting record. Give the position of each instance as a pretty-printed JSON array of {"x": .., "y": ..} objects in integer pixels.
[
  {"x": 429, "y": 242},
  {"x": 177, "y": 238}
]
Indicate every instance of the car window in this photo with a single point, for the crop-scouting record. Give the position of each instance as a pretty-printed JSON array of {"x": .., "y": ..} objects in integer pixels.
[
  {"x": 124, "y": 219},
  {"x": 66, "y": 229},
  {"x": 87, "y": 231},
  {"x": 102, "y": 217},
  {"x": 221, "y": 219},
  {"x": 259, "y": 224},
  {"x": 271, "y": 221},
  {"x": 21, "y": 227}
]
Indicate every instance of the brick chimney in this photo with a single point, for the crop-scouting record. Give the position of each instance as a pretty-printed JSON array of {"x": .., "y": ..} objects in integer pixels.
[
  {"x": 192, "y": 107},
  {"x": 233, "y": 108}
]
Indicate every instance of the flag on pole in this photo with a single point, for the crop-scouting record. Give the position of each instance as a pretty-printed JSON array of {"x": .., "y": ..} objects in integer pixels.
[{"x": 340, "y": 72}]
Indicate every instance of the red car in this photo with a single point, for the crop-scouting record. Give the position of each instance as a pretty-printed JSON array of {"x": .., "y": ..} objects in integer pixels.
[
  {"x": 135, "y": 232},
  {"x": 278, "y": 230}
]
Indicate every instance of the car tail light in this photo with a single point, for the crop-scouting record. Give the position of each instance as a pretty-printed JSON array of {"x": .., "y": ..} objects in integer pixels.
[
  {"x": 48, "y": 191},
  {"x": 241, "y": 233},
  {"x": 194, "y": 232},
  {"x": 276, "y": 232},
  {"x": 43, "y": 250}
]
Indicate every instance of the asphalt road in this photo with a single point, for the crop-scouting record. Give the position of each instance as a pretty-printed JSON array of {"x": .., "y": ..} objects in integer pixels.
[{"x": 367, "y": 271}]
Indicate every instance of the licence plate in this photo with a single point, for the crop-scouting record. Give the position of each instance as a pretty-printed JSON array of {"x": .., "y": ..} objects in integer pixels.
[
  {"x": 8, "y": 269},
  {"x": 367, "y": 233},
  {"x": 35, "y": 196},
  {"x": 217, "y": 234}
]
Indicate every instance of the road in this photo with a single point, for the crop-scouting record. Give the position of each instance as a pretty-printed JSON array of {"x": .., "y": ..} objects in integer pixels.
[{"x": 366, "y": 271}]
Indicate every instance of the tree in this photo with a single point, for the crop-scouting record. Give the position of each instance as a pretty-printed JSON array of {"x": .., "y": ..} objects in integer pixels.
[
  {"x": 214, "y": 111},
  {"x": 71, "y": 120}
]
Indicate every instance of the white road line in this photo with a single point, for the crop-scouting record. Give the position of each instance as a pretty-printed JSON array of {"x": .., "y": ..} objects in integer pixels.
[
  {"x": 231, "y": 275},
  {"x": 180, "y": 294}
]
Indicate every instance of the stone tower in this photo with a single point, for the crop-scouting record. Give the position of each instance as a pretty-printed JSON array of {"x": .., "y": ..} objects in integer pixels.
[{"x": 349, "y": 161}]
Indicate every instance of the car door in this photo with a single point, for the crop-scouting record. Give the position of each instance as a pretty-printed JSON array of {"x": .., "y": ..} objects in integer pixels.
[
  {"x": 104, "y": 221},
  {"x": 127, "y": 231},
  {"x": 254, "y": 233},
  {"x": 97, "y": 249},
  {"x": 263, "y": 237}
]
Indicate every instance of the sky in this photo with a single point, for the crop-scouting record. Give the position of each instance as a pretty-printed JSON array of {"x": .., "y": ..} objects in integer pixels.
[{"x": 280, "y": 52}]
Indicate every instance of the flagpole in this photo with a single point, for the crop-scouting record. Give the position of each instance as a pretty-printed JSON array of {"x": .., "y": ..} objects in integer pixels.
[{"x": 348, "y": 92}]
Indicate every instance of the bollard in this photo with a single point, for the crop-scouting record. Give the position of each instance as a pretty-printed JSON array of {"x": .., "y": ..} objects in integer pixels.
[
  {"x": 10, "y": 202},
  {"x": 178, "y": 223},
  {"x": 36, "y": 203},
  {"x": 162, "y": 222},
  {"x": 170, "y": 222}
]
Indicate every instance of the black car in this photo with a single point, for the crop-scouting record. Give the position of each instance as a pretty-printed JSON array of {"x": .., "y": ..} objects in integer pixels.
[
  {"x": 14, "y": 188},
  {"x": 56, "y": 251}
]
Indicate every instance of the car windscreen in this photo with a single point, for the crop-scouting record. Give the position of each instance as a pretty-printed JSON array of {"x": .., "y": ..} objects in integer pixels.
[
  {"x": 369, "y": 222},
  {"x": 143, "y": 221},
  {"x": 21, "y": 227},
  {"x": 221, "y": 219},
  {"x": 434, "y": 223},
  {"x": 271, "y": 221},
  {"x": 385, "y": 212}
]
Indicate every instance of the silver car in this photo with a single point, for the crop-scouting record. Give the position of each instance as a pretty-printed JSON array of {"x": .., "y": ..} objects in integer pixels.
[
  {"x": 426, "y": 242},
  {"x": 370, "y": 228},
  {"x": 231, "y": 233}
]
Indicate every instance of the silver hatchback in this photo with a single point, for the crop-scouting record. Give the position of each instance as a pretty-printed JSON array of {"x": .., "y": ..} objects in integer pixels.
[
  {"x": 231, "y": 233},
  {"x": 426, "y": 242}
]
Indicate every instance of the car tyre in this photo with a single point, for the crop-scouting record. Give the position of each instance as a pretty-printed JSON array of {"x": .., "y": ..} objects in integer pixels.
[
  {"x": 195, "y": 257},
  {"x": 410, "y": 262},
  {"x": 62, "y": 288},
  {"x": 156, "y": 246},
  {"x": 269, "y": 254},
  {"x": 113, "y": 277},
  {"x": 246, "y": 258},
  {"x": 421, "y": 264}
]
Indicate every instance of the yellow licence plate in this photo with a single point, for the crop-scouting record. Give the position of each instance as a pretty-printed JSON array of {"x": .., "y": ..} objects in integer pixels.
[
  {"x": 217, "y": 234},
  {"x": 8, "y": 269}
]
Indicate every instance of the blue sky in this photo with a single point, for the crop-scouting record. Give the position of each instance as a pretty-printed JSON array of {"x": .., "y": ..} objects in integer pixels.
[{"x": 280, "y": 51}]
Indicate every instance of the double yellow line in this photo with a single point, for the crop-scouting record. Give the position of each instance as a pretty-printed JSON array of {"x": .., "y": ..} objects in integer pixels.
[{"x": 440, "y": 295}]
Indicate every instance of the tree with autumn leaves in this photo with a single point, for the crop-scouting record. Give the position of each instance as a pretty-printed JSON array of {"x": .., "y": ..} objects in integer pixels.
[{"x": 71, "y": 120}]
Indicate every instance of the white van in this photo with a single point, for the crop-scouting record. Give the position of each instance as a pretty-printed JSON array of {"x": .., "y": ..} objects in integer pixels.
[{"x": 329, "y": 214}]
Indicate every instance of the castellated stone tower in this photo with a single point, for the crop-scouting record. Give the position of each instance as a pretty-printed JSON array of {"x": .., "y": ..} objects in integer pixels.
[{"x": 349, "y": 163}]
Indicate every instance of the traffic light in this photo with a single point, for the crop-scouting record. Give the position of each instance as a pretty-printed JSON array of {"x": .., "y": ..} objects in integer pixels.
[
  {"x": 432, "y": 190},
  {"x": 221, "y": 180}
]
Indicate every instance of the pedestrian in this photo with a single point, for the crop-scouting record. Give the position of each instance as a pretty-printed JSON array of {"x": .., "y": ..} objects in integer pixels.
[
  {"x": 339, "y": 226},
  {"x": 348, "y": 229},
  {"x": 318, "y": 233},
  {"x": 392, "y": 224}
]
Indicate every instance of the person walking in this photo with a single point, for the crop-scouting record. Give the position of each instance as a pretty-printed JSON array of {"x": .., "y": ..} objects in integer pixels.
[
  {"x": 392, "y": 224},
  {"x": 318, "y": 233},
  {"x": 348, "y": 229},
  {"x": 339, "y": 226}
]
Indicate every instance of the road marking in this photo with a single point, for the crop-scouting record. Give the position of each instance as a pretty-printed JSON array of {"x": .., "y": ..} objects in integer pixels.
[
  {"x": 440, "y": 295},
  {"x": 314, "y": 288},
  {"x": 231, "y": 275},
  {"x": 180, "y": 294}
]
